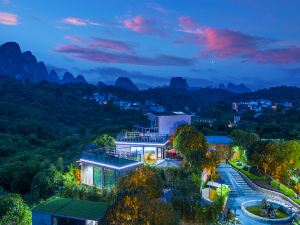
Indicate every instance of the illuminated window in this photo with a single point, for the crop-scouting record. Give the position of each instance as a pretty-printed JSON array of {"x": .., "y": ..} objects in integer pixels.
[{"x": 98, "y": 177}]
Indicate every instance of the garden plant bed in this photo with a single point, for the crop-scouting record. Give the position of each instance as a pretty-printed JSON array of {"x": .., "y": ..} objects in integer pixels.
[{"x": 256, "y": 211}]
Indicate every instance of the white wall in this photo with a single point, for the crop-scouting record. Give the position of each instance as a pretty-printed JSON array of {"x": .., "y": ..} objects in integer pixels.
[
  {"x": 87, "y": 174},
  {"x": 167, "y": 125}
]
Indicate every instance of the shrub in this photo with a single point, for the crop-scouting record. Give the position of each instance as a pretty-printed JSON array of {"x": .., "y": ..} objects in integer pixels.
[
  {"x": 282, "y": 188},
  {"x": 287, "y": 191},
  {"x": 246, "y": 167}
]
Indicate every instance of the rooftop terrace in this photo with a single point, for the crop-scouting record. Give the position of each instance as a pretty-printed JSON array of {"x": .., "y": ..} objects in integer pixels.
[{"x": 80, "y": 209}]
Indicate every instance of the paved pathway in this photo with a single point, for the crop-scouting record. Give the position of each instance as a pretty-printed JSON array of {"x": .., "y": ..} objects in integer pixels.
[{"x": 240, "y": 192}]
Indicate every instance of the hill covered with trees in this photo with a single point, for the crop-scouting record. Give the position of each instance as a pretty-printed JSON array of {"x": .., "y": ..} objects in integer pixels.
[{"x": 41, "y": 124}]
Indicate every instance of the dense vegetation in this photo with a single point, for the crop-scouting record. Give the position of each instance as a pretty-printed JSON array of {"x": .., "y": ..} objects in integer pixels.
[
  {"x": 43, "y": 128},
  {"x": 174, "y": 99}
]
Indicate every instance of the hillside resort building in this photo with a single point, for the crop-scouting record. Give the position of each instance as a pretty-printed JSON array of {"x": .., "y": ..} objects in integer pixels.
[{"x": 102, "y": 167}]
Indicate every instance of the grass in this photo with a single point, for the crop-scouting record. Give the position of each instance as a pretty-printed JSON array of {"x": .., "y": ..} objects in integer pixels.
[
  {"x": 297, "y": 200},
  {"x": 246, "y": 172},
  {"x": 256, "y": 211}
]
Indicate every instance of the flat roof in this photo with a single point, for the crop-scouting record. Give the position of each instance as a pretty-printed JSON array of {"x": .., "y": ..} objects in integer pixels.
[
  {"x": 65, "y": 207},
  {"x": 218, "y": 140},
  {"x": 173, "y": 113},
  {"x": 108, "y": 161}
]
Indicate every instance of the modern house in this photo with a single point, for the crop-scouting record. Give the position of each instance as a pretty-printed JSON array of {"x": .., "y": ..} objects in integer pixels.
[
  {"x": 102, "y": 167},
  {"x": 148, "y": 145},
  {"x": 167, "y": 123},
  {"x": 64, "y": 211}
]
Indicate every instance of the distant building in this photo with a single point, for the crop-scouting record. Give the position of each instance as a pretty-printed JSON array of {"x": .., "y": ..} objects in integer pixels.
[
  {"x": 64, "y": 211},
  {"x": 207, "y": 120}
]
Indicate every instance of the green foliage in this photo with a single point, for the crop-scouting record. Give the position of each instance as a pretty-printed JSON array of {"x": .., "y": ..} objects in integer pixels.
[
  {"x": 46, "y": 123},
  {"x": 46, "y": 183},
  {"x": 85, "y": 192},
  {"x": 244, "y": 139},
  {"x": 104, "y": 140},
  {"x": 13, "y": 210},
  {"x": 282, "y": 188},
  {"x": 223, "y": 192},
  {"x": 191, "y": 144}
]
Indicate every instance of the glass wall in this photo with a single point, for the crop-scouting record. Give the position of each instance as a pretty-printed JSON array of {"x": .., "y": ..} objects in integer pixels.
[
  {"x": 150, "y": 155},
  {"x": 136, "y": 153},
  {"x": 98, "y": 176},
  {"x": 109, "y": 178},
  {"x": 159, "y": 153}
]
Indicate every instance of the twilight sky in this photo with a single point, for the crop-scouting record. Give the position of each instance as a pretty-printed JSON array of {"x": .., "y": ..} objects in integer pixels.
[{"x": 256, "y": 42}]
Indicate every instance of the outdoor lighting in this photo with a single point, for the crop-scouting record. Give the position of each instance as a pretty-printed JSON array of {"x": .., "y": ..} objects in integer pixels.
[{"x": 110, "y": 166}]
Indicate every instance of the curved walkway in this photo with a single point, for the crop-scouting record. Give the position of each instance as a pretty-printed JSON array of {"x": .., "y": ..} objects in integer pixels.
[{"x": 240, "y": 192}]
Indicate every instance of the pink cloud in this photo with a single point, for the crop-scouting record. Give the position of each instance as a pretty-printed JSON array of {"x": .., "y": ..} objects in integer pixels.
[
  {"x": 76, "y": 40},
  {"x": 188, "y": 25},
  {"x": 225, "y": 43},
  {"x": 99, "y": 56},
  {"x": 136, "y": 24},
  {"x": 110, "y": 44},
  {"x": 142, "y": 25},
  {"x": 103, "y": 44},
  {"x": 8, "y": 18},
  {"x": 75, "y": 21}
]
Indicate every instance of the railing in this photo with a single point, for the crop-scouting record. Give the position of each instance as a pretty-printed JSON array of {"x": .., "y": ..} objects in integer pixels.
[
  {"x": 104, "y": 154},
  {"x": 142, "y": 137}
]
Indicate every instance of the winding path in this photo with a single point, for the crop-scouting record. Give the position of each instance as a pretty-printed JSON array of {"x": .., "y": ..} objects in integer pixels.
[{"x": 240, "y": 192}]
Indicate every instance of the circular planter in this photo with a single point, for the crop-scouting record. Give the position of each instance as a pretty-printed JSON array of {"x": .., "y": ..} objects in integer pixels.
[{"x": 288, "y": 211}]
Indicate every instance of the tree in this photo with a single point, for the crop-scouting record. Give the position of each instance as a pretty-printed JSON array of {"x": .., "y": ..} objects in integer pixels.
[
  {"x": 104, "y": 140},
  {"x": 132, "y": 207},
  {"x": 243, "y": 138},
  {"x": 192, "y": 146},
  {"x": 13, "y": 210},
  {"x": 213, "y": 159},
  {"x": 46, "y": 182},
  {"x": 145, "y": 179},
  {"x": 291, "y": 157}
]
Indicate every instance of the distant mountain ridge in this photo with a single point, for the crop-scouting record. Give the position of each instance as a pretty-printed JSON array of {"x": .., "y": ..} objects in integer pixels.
[
  {"x": 25, "y": 67},
  {"x": 178, "y": 83},
  {"x": 239, "y": 88},
  {"x": 125, "y": 83}
]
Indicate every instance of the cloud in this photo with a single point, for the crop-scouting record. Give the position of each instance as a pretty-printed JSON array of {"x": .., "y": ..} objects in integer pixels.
[
  {"x": 142, "y": 25},
  {"x": 104, "y": 44},
  {"x": 5, "y": 2},
  {"x": 75, "y": 21},
  {"x": 75, "y": 39},
  {"x": 225, "y": 43},
  {"x": 110, "y": 44},
  {"x": 91, "y": 54},
  {"x": 157, "y": 7},
  {"x": 8, "y": 19},
  {"x": 83, "y": 22},
  {"x": 188, "y": 25}
]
